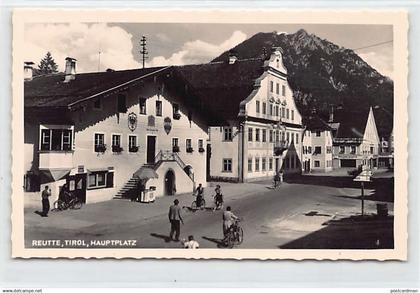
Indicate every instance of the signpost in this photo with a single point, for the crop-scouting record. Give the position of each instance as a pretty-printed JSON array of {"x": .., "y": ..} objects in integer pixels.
[{"x": 363, "y": 177}]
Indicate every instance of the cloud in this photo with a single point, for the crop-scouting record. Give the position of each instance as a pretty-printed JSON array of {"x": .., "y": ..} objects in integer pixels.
[
  {"x": 83, "y": 42},
  {"x": 380, "y": 60},
  {"x": 198, "y": 51}
]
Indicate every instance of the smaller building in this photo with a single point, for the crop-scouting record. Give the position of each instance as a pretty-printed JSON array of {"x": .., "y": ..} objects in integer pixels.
[
  {"x": 356, "y": 140},
  {"x": 317, "y": 146}
]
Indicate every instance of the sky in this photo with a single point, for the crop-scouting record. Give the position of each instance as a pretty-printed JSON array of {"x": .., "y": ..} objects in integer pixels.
[{"x": 179, "y": 44}]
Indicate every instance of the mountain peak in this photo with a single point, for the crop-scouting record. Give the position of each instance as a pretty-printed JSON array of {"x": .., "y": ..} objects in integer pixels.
[{"x": 302, "y": 33}]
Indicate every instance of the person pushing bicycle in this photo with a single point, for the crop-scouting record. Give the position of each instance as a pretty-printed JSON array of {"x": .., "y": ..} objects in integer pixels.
[
  {"x": 218, "y": 197},
  {"x": 200, "y": 195}
]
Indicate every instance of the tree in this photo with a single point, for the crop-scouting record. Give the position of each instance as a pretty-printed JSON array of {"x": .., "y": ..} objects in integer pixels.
[{"x": 47, "y": 65}]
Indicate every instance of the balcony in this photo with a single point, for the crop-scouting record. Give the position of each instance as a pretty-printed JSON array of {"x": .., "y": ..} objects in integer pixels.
[
  {"x": 55, "y": 159},
  {"x": 280, "y": 147}
]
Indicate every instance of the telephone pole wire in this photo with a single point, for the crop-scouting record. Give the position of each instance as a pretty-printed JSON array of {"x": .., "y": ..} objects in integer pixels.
[{"x": 143, "y": 50}]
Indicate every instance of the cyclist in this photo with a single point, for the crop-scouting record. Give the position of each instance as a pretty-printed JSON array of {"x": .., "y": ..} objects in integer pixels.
[
  {"x": 228, "y": 220},
  {"x": 218, "y": 197},
  {"x": 200, "y": 195}
]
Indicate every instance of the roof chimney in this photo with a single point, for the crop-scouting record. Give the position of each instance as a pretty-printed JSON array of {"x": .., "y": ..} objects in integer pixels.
[
  {"x": 233, "y": 56},
  {"x": 28, "y": 70},
  {"x": 331, "y": 118},
  {"x": 70, "y": 70}
]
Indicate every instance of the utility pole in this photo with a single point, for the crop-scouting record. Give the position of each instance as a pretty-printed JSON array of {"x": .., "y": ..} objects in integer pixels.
[{"x": 143, "y": 50}]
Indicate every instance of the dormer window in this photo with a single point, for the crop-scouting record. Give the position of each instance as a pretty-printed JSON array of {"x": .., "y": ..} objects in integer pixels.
[
  {"x": 175, "y": 108},
  {"x": 142, "y": 105}
]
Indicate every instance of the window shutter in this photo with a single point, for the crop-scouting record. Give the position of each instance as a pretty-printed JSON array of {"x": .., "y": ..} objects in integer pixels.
[{"x": 110, "y": 179}]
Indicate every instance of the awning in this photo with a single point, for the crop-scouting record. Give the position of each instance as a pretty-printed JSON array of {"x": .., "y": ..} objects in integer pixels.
[
  {"x": 53, "y": 175},
  {"x": 145, "y": 173}
]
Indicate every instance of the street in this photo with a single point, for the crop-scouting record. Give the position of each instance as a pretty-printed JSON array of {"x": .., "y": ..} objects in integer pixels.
[{"x": 294, "y": 215}]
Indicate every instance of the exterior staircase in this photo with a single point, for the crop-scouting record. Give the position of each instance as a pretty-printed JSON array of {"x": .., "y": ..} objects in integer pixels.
[
  {"x": 126, "y": 192},
  {"x": 128, "y": 189}
]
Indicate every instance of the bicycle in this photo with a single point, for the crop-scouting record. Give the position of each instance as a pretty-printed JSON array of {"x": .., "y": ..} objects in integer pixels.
[
  {"x": 235, "y": 235},
  {"x": 71, "y": 202},
  {"x": 218, "y": 204},
  {"x": 202, "y": 205}
]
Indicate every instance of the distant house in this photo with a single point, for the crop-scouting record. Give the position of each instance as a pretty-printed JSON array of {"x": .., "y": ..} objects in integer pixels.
[
  {"x": 317, "y": 146},
  {"x": 255, "y": 127},
  {"x": 356, "y": 140},
  {"x": 95, "y": 130}
]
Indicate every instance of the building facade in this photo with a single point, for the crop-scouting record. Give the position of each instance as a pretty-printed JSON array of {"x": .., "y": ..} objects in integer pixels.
[
  {"x": 356, "y": 142},
  {"x": 263, "y": 134},
  {"x": 95, "y": 130},
  {"x": 317, "y": 146}
]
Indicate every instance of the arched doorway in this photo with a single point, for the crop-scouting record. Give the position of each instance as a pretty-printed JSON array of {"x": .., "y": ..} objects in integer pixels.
[{"x": 170, "y": 182}]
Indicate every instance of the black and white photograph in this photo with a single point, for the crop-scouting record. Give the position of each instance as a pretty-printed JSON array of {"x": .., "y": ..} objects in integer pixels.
[{"x": 205, "y": 138}]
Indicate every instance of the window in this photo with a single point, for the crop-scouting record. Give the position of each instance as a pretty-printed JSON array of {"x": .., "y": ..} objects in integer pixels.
[
  {"x": 122, "y": 107},
  {"x": 132, "y": 144},
  {"x": 293, "y": 115},
  {"x": 271, "y": 136},
  {"x": 188, "y": 144},
  {"x": 283, "y": 90},
  {"x": 287, "y": 113},
  {"x": 257, "y": 106},
  {"x": 329, "y": 149},
  {"x": 342, "y": 149},
  {"x": 175, "y": 111},
  {"x": 317, "y": 164},
  {"x": 142, "y": 105},
  {"x": 318, "y": 133},
  {"x": 263, "y": 164},
  {"x": 371, "y": 149},
  {"x": 227, "y": 133},
  {"x": 200, "y": 146},
  {"x": 264, "y": 135},
  {"x": 97, "y": 105},
  {"x": 158, "y": 108},
  {"x": 56, "y": 139},
  {"x": 97, "y": 179},
  {"x": 116, "y": 140},
  {"x": 287, "y": 137},
  {"x": 227, "y": 165},
  {"x": 257, "y": 164},
  {"x": 297, "y": 138},
  {"x": 257, "y": 134},
  {"x": 250, "y": 165},
  {"x": 277, "y": 88},
  {"x": 271, "y": 86},
  {"x": 271, "y": 109},
  {"x": 264, "y": 108},
  {"x": 292, "y": 137},
  {"x": 283, "y": 112},
  {"x": 270, "y": 164},
  {"x": 352, "y": 149},
  {"x": 99, "y": 139},
  {"x": 277, "y": 111},
  {"x": 175, "y": 142},
  {"x": 116, "y": 143},
  {"x": 250, "y": 134},
  {"x": 309, "y": 149},
  {"x": 318, "y": 150}
]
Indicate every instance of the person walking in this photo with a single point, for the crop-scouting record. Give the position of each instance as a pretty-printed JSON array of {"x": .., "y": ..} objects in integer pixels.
[
  {"x": 175, "y": 219},
  {"x": 46, "y": 193}
]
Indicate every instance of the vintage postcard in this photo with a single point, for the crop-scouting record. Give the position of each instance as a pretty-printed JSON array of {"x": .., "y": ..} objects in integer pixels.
[{"x": 237, "y": 134}]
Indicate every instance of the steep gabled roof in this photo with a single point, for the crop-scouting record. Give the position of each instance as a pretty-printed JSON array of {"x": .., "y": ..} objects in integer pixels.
[
  {"x": 315, "y": 123},
  {"x": 51, "y": 91},
  {"x": 220, "y": 86},
  {"x": 352, "y": 123}
]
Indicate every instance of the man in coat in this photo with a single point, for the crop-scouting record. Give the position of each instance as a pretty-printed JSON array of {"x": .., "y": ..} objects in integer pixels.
[{"x": 175, "y": 219}]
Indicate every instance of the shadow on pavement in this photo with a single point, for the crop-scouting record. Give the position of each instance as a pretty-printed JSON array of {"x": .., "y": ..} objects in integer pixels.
[
  {"x": 368, "y": 232},
  {"x": 219, "y": 242},
  {"x": 166, "y": 238},
  {"x": 383, "y": 187}
]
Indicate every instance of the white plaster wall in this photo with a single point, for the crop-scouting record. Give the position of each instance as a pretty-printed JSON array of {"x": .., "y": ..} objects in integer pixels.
[{"x": 221, "y": 149}]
